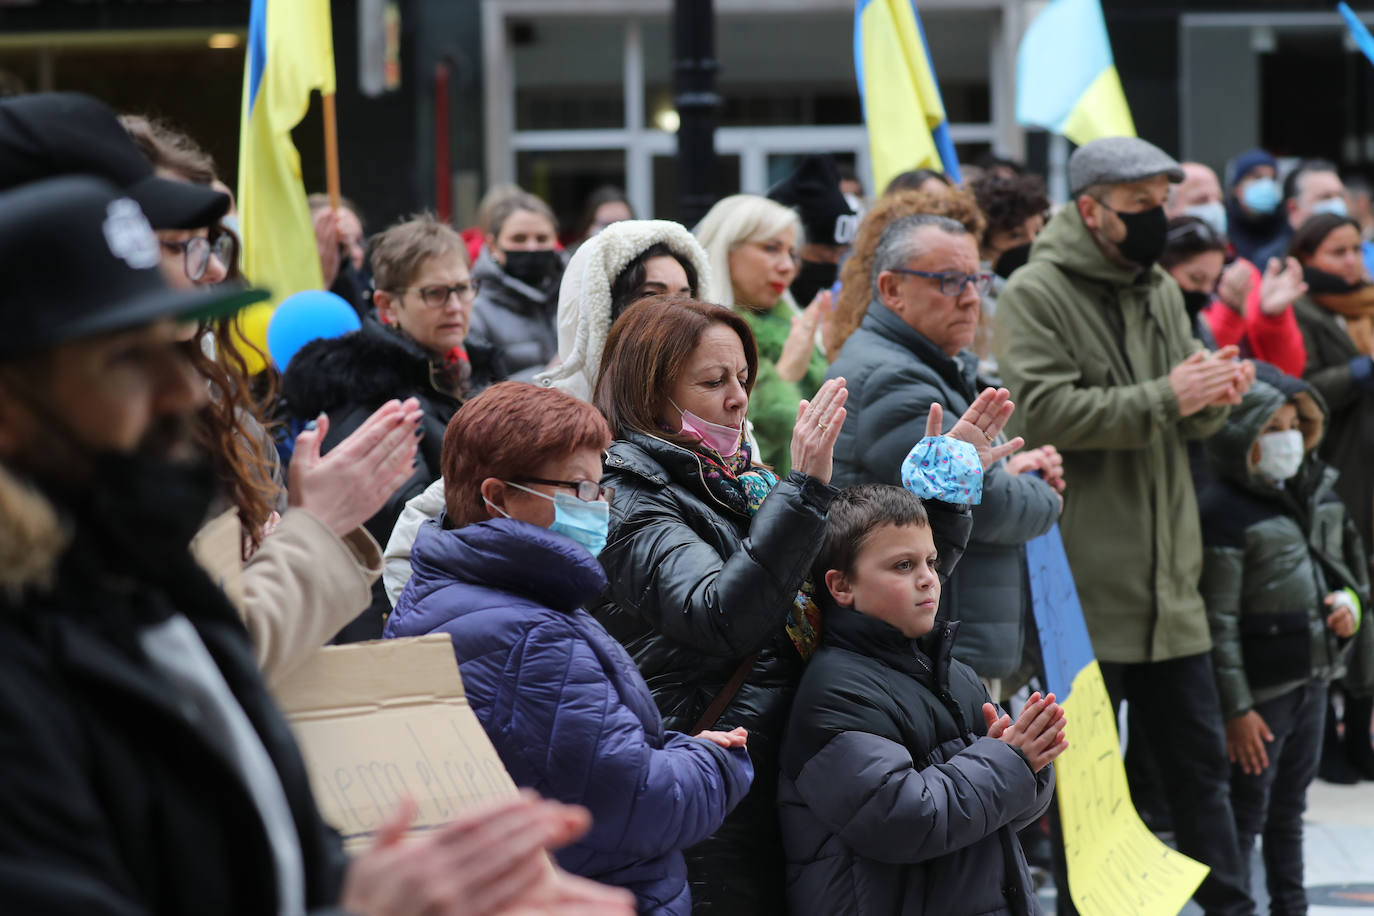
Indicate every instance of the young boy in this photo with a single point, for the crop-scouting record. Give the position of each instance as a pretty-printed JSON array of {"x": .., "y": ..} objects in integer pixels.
[
  {"x": 902, "y": 786},
  {"x": 1285, "y": 581}
]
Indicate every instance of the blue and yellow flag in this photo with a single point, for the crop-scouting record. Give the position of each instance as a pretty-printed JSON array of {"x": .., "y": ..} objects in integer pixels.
[
  {"x": 1066, "y": 79},
  {"x": 1116, "y": 865},
  {"x": 907, "y": 127},
  {"x": 290, "y": 53}
]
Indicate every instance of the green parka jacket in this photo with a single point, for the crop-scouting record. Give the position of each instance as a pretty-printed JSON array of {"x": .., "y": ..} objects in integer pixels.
[
  {"x": 1086, "y": 347},
  {"x": 1271, "y": 556}
]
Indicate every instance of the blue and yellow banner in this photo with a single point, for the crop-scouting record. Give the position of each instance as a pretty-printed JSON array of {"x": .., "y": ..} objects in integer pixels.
[
  {"x": 290, "y": 54},
  {"x": 1066, "y": 79},
  {"x": 905, "y": 116},
  {"x": 1116, "y": 865}
]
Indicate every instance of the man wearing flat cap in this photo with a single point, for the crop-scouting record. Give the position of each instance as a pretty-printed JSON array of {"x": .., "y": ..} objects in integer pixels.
[{"x": 1096, "y": 347}]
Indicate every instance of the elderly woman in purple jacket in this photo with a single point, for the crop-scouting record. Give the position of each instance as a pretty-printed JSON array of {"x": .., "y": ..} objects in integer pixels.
[{"x": 506, "y": 572}]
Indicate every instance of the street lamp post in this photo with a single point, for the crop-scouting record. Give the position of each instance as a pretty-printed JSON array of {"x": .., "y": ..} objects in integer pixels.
[{"x": 697, "y": 103}]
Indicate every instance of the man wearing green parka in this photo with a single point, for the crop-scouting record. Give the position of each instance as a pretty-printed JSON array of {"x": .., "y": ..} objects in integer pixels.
[{"x": 1095, "y": 345}]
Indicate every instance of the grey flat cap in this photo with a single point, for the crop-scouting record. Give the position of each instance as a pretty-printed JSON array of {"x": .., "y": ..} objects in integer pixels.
[{"x": 1117, "y": 160}]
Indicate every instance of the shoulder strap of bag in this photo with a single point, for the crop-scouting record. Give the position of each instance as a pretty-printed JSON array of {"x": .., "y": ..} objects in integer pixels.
[{"x": 726, "y": 694}]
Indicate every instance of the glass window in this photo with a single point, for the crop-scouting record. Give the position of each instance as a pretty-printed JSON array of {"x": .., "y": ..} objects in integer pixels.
[
  {"x": 666, "y": 204},
  {"x": 565, "y": 178},
  {"x": 569, "y": 73}
]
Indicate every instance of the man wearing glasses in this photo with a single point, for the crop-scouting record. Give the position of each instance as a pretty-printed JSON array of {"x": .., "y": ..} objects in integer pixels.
[
  {"x": 911, "y": 351},
  {"x": 418, "y": 346}
]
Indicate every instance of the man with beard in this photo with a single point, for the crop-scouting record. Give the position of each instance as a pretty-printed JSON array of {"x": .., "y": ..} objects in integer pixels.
[{"x": 146, "y": 768}]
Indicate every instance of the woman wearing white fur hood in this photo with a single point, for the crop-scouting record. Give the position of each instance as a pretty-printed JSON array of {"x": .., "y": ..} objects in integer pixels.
[{"x": 623, "y": 263}]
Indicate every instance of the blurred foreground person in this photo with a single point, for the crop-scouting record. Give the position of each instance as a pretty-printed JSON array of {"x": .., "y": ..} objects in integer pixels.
[{"x": 147, "y": 769}]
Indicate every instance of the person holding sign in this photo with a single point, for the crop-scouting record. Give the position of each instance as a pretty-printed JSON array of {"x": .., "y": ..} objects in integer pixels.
[
  {"x": 1287, "y": 586},
  {"x": 902, "y": 786},
  {"x": 1095, "y": 345}
]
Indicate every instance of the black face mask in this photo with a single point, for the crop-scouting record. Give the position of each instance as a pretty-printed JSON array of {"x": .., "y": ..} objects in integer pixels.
[
  {"x": 1195, "y": 301},
  {"x": 539, "y": 269},
  {"x": 1146, "y": 234},
  {"x": 1011, "y": 259},
  {"x": 813, "y": 277},
  {"x": 1320, "y": 282}
]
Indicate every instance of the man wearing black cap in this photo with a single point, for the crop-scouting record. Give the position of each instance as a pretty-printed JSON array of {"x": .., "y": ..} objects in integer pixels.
[
  {"x": 830, "y": 223},
  {"x": 1095, "y": 345},
  {"x": 145, "y": 768}
]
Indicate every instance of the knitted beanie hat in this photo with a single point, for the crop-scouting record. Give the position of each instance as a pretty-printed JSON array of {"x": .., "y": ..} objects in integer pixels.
[{"x": 584, "y": 299}]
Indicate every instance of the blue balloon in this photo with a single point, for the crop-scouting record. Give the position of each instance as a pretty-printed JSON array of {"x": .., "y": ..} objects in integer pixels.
[{"x": 309, "y": 315}]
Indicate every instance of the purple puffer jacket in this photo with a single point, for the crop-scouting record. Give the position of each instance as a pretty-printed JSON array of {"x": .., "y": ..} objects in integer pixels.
[{"x": 565, "y": 706}]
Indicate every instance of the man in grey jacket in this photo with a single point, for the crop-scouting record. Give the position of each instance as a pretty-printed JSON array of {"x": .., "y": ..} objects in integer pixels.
[{"x": 911, "y": 351}]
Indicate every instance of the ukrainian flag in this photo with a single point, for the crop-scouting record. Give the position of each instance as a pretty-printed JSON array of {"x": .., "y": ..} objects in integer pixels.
[
  {"x": 290, "y": 53},
  {"x": 907, "y": 128},
  {"x": 1066, "y": 79}
]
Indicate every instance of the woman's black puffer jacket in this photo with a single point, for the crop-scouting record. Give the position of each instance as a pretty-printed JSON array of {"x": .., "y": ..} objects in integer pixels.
[{"x": 696, "y": 589}]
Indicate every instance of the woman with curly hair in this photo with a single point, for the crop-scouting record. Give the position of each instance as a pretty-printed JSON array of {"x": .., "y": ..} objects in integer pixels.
[{"x": 856, "y": 277}]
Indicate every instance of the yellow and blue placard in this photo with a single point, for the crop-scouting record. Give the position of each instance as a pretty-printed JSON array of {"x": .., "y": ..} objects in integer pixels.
[
  {"x": 905, "y": 116},
  {"x": 290, "y": 53},
  {"x": 1066, "y": 79},
  {"x": 1116, "y": 865}
]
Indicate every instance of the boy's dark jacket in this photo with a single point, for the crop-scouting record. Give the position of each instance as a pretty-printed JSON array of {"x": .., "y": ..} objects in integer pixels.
[
  {"x": 892, "y": 799},
  {"x": 1272, "y": 554}
]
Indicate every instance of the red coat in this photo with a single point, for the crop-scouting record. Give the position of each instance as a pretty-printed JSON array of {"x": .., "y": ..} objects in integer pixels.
[{"x": 1274, "y": 339}]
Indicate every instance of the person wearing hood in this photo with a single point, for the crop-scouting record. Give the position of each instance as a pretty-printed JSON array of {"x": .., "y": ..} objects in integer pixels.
[
  {"x": 1243, "y": 306},
  {"x": 418, "y": 347},
  {"x": 626, "y": 262},
  {"x": 1337, "y": 321},
  {"x": 506, "y": 573},
  {"x": 752, "y": 244},
  {"x": 1253, "y": 216},
  {"x": 518, "y": 273},
  {"x": 1094, "y": 343},
  {"x": 1286, "y": 582}
]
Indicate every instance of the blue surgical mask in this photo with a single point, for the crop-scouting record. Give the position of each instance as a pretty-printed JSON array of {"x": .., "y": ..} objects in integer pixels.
[
  {"x": 1262, "y": 195},
  {"x": 1333, "y": 205},
  {"x": 1213, "y": 214},
  {"x": 583, "y": 522}
]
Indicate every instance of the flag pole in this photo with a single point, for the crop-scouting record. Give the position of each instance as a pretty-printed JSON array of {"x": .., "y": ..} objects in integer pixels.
[{"x": 331, "y": 151}]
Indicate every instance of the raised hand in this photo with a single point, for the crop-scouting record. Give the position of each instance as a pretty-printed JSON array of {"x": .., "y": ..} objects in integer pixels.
[
  {"x": 983, "y": 422},
  {"x": 1234, "y": 286},
  {"x": 1341, "y": 620},
  {"x": 352, "y": 483},
  {"x": 795, "y": 358},
  {"x": 818, "y": 426},
  {"x": 1281, "y": 285}
]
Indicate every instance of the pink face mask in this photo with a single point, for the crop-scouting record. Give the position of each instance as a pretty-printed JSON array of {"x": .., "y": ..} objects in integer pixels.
[{"x": 723, "y": 440}]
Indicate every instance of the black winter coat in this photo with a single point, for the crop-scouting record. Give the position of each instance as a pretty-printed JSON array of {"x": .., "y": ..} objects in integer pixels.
[
  {"x": 695, "y": 590},
  {"x": 893, "y": 375},
  {"x": 349, "y": 378},
  {"x": 892, "y": 797},
  {"x": 113, "y": 801}
]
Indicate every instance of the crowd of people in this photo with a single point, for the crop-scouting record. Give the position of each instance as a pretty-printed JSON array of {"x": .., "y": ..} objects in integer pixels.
[{"x": 726, "y": 525}]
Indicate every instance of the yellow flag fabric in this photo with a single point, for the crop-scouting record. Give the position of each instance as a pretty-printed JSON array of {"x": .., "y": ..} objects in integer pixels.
[
  {"x": 901, "y": 99},
  {"x": 290, "y": 53}
]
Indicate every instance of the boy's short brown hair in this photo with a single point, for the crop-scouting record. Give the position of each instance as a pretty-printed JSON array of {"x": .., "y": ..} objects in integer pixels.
[
  {"x": 399, "y": 251},
  {"x": 855, "y": 514}
]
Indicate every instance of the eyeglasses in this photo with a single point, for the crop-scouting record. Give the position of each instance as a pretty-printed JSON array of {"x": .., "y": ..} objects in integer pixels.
[
  {"x": 436, "y": 297},
  {"x": 589, "y": 491},
  {"x": 195, "y": 253},
  {"x": 952, "y": 282}
]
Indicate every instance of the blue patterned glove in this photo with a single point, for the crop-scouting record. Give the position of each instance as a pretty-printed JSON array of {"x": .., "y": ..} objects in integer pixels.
[{"x": 945, "y": 469}]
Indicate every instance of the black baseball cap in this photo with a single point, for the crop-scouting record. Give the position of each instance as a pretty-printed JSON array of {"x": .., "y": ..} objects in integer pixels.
[
  {"x": 66, "y": 133},
  {"x": 80, "y": 259}
]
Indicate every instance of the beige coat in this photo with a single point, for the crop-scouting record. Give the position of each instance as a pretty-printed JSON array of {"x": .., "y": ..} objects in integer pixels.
[{"x": 300, "y": 588}]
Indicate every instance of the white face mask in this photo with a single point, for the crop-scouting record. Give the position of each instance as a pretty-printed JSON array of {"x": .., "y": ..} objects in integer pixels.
[
  {"x": 1280, "y": 454},
  {"x": 1213, "y": 214}
]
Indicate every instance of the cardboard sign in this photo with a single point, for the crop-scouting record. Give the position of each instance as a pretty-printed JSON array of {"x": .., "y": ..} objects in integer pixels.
[
  {"x": 380, "y": 721},
  {"x": 1116, "y": 865}
]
